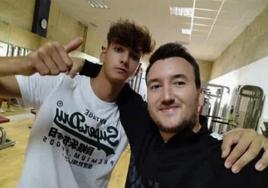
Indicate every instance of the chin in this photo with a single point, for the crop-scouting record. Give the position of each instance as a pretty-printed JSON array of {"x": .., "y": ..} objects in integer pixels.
[
  {"x": 171, "y": 129},
  {"x": 176, "y": 127}
]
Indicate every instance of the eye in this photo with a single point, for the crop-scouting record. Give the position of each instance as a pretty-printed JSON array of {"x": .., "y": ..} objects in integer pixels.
[
  {"x": 118, "y": 49},
  {"x": 179, "y": 83},
  {"x": 135, "y": 57},
  {"x": 154, "y": 87}
]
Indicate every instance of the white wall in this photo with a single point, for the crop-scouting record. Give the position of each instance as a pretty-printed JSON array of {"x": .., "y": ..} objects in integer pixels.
[{"x": 253, "y": 74}]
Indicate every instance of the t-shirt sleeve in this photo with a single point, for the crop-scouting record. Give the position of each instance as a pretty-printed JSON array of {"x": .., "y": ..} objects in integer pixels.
[
  {"x": 34, "y": 89},
  {"x": 90, "y": 69}
]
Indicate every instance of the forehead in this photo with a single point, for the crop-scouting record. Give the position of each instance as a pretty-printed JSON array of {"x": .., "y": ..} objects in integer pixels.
[
  {"x": 169, "y": 67},
  {"x": 132, "y": 50}
]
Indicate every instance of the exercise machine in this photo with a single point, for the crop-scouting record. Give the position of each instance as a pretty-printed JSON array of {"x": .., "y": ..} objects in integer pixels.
[
  {"x": 249, "y": 106},
  {"x": 4, "y": 141},
  {"x": 215, "y": 107}
]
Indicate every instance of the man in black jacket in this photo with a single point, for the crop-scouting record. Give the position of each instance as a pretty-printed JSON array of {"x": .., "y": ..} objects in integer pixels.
[
  {"x": 172, "y": 149},
  {"x": 133, "y": 110}
]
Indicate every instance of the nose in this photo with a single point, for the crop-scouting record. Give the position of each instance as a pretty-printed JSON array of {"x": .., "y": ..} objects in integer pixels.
[
  {"x": 125, "y": 57},
  {"x": 167, "y": 95}
]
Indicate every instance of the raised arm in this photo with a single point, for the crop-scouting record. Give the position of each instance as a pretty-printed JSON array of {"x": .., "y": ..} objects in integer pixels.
[
  {"x": 50, "y": 59},
  {"x": 8, "y": 84}
]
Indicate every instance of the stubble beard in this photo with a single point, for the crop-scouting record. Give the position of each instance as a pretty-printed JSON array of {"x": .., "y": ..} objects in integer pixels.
[{"x": 186, "y": 123}]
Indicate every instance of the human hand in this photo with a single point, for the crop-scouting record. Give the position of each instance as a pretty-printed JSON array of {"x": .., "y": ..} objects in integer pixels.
[
  {"x": 77, "y": 66},
  {"x": 51, "y": 59},
  {"x": 249, "y": 144}
]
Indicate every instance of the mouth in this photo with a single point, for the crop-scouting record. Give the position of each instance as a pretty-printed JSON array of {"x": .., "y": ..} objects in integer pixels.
[
  {"x": 169, "y": 109},
  {"x": 121, "y": 70}
]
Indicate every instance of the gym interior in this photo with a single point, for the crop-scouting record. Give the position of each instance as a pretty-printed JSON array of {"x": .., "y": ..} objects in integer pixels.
[{"x": 228, "y": 38}]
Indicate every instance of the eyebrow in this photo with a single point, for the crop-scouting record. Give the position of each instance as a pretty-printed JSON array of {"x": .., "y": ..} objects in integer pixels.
[
  {"x": 133, "y": 51},
  {"x": 179, "y": 76},
  {"x": 152, "y": 80},
  {"x": 176, "y": 76}
]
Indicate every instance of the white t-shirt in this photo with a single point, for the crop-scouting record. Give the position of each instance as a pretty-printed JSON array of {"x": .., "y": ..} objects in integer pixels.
[{"x": 76, "y": 138}]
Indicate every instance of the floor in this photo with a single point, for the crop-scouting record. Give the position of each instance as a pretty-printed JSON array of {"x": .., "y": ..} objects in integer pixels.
[{"x": 11, "y": 158}]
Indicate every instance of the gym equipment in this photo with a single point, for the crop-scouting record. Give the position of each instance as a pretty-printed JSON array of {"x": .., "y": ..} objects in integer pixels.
[
  {"x": 265, "y": 130},
  {"x": 4, "y": 141},
  {"x": 3, "y": 119},
  {"x": 249, "y": 106},
  {"x": 135, "y": 83},
  {"x": 215, "y": 108}
]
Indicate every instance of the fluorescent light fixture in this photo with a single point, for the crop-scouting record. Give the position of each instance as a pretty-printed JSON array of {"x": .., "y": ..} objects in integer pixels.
[
  {"x": 200, "y": 31},
  {"x": 216, "y": 18},
  {"x": 205, "y": 9},
  {"x": 203, "y": 18},
  {"x": 181, "y": 11},
  {"x": 186, "y": 31},
  {"x": 97, "y": 4},
  {"x": 192, "y": 20},
  {"x": 197, "y": 24}
]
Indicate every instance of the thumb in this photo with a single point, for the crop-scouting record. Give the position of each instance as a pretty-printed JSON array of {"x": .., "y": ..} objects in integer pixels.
[
  {"x": 76, "y": 68},
  {"x": 73, "y": 44}
]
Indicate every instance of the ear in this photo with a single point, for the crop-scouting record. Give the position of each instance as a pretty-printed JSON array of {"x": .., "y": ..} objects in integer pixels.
[
  {"x": 201, "y": 100},
  {"x": 103, "y": 53}
]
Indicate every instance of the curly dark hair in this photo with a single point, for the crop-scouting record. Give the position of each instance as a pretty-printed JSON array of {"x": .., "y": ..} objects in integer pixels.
[{"x": 129, "y": 34}]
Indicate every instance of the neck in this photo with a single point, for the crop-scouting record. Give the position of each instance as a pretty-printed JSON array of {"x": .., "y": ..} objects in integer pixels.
[
  {"x": 105, "y": 89},
  {"x": 167, "y": 136}
]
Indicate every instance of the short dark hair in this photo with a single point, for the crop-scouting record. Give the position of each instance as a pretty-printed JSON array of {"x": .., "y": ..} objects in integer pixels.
[
  {"x": 129, "y": 34},
  {"x": 175, "y": 50}
]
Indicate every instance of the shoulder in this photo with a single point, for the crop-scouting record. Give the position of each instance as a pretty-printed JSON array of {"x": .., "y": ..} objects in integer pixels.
[{"x": 128, "y": 95}]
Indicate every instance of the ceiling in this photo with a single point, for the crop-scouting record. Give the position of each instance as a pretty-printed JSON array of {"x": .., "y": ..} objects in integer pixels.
[{"x": 214, "y": 24}]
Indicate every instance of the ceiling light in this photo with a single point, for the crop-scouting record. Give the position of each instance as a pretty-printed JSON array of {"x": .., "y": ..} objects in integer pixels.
[
  {"x": 205, "y": 9},
  {"x": 197, "y": 24},
  {"x": 203, "y": 18},
  {"x": 200, "y": 31},
  {"x": 97, "y": 4},
  {"x": 186, "y": 31},
  {"x": 180, "y": 11}
]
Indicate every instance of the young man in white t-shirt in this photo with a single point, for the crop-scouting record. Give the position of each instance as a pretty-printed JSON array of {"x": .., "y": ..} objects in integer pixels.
[{"x": 77, "y": 136}]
